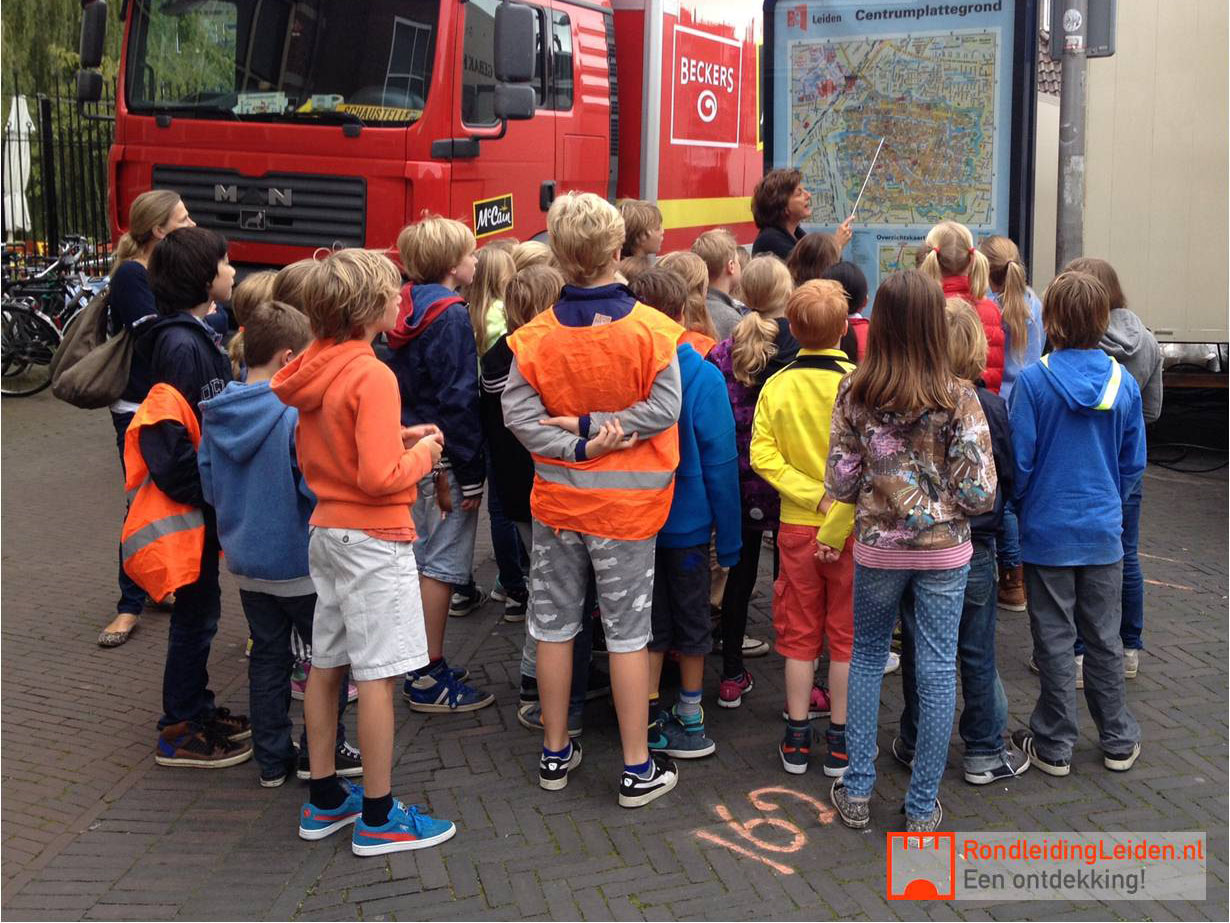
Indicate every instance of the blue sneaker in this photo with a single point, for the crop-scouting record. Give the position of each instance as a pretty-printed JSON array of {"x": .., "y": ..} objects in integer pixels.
[
  {"x": 316, "y": 823},
  {"x": 671, "y": 737},
  {"x": 442, "y": 691},
  {"x": 408, "y": 828}
]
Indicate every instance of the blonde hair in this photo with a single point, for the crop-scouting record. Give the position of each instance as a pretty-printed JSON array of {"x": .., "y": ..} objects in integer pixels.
[
  {"x": 532, "y": 253},
  {"x": 149, "y": 210},
  {"x": 271, "y": 327},
  {"x": 1006, "y": 271},
  {"x": 252, "y": 291},
  {"x": 766, "y": 289},
  {"x": 348, "y": 290},
  {"x": 817, "y": 313},
  {"x": 491, "y": 276},
  {"x": 949, "y": 250},
  {"x": 717, "y": 247},
  {"x": 744, "y": 256},
  {"x": 530, "y": 292},
  {"x": 432, "y": 246},
  {"x": 967, "y": 341},
  {"x": 641, "y": 218},
  {"x": 695, "y": 275},
  {"x": 508, "y": 244},
  {"x": 288, "y": 282},
  {"x": 585, "y": 231}
]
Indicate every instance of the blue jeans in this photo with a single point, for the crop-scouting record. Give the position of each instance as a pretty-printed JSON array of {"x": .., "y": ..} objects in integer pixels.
[
  {"x": 194, "y": 622},
  {"x": 986, "y": 706},
  {"x": 1010, "y": 537},
  {"x": 270, "y": 619},
  {"x": 132, "y": 597},
  {"x": 933, "y": 620},
  {"x": 1132, "y": 624}
]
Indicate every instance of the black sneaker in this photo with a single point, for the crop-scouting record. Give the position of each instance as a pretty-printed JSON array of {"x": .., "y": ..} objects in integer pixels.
[
  {"x": 599, "y": 685},
  {"x": 233, "y": 727},
  {"x": 529, "y": 690},
  {"x": 902, "y": 754},
  {"x": 347, "y": 762},
  {"x": 466, "y": 600},
  {"x": 553, "y": 771},
  {"x": 516, "y": 602},
  {"x": 795, "y": 750},
  {"x": 836, "y": 760},
  {"x": 1024, "y": 741},
  {"x": 1121, "y": 762},
  {"x": 187, "y": 744},
  {"x": 1013, "y": 764},
  {"x": 635, "y": 792}
]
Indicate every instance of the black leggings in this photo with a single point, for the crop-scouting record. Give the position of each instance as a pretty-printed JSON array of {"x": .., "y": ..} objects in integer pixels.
[{"x": 740, "y": 583}]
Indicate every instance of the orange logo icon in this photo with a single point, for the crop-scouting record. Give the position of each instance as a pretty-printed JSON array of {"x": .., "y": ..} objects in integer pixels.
[{"x": 921, "y": 867}]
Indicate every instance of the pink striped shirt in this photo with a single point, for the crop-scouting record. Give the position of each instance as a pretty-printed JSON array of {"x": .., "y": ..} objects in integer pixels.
[{"x": 912, "y": 558}]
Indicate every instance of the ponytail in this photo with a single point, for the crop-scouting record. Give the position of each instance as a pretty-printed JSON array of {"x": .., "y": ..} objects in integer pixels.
[
  {"x": 1015, "y": 309},
  {"x": 125, "y": 250},
  {"x": 929, "y": 262},
  {"x": 979, "y": 274},
  {"x": 753, "y": 344},
  {"x": 149, "y": 210},
  {"x": 235, "y": 351}
]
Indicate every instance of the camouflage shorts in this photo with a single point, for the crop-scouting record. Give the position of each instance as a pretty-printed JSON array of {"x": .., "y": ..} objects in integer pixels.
[{"x": 559, "y": 567}]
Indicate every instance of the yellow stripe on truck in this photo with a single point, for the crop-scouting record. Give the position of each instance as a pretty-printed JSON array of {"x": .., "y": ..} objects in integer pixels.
[{"x": 690, "y": 213}]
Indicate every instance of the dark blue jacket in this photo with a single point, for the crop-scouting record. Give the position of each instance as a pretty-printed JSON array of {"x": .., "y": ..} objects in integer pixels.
[
  {"x": 1079, "y": 437},
  {"x": 186, "y": 353},
  {"x": 436, "y": 363},
  {"x": 985, "y": 525},
  {"x": 707, "y": 480}
]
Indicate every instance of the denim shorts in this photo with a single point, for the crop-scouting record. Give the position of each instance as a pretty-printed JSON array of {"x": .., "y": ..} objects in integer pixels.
[
  {"x": 368, "y": 610},
  {"x": 444, "y": 549}
]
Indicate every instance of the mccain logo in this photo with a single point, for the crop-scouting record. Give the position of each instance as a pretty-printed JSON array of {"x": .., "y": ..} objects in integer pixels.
[{"x": 493, "y": 215}]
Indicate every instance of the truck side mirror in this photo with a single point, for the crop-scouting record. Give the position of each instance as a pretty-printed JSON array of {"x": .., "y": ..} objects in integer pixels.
[
  {"x": 93, "y": 32},
  {"x": 514, "y": 101},
  {"x": 514, "y": 43},
  {"x": 89, "y": 86}
]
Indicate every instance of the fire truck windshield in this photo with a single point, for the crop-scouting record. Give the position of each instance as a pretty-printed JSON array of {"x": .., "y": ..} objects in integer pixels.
[{"x": 329, "y": 61}]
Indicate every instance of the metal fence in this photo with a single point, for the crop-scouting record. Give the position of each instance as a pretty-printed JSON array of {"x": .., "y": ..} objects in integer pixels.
[{"x": 54, "y": 165}]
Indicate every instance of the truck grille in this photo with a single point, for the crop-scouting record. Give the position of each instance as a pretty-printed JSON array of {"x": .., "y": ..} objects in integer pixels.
[{"x": 294, "y": 209}]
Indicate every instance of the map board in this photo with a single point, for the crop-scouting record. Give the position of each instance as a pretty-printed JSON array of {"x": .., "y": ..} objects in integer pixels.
[{"x": 936, "y": 81}]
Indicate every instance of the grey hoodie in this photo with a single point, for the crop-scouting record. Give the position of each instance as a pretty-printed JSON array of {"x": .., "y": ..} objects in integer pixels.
[{"x": 1128, "y": 340}]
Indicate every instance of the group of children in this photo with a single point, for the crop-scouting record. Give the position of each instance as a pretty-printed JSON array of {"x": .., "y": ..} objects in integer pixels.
[{"x": 639, "y": 425}]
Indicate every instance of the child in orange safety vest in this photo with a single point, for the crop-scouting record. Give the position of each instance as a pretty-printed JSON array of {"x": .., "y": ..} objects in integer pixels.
[{"x": 594, "y": 394}]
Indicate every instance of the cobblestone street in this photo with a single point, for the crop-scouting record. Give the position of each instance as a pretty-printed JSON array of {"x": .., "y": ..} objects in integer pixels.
[{"x": 93, "y": 829}]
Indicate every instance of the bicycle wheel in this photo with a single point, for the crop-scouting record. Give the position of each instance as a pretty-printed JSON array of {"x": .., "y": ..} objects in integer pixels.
[{"x": 28, "y": 340}]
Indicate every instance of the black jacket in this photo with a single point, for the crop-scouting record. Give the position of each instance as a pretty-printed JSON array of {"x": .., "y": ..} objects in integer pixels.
[
  {"x": 182, "y": 351},
  {"x": 777, "y": 240},
  {"x": 512, "y": 468},
  {"x": 987, "y": 524}
]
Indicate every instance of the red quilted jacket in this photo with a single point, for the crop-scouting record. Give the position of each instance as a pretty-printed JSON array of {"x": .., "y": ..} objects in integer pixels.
[{"x": 988, "y": 313}]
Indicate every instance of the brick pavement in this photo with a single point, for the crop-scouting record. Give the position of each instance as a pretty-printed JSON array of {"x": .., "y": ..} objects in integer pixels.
[{"x": 93, "y": 829}]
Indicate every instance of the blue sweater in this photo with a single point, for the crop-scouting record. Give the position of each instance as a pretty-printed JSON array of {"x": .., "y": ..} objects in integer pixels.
[
  {"x": 249, "y": 473},
  {"x": 1013, "y": 366},
  {"x": 707, "y": 481},
  {"x": 1079, "y": 438}
]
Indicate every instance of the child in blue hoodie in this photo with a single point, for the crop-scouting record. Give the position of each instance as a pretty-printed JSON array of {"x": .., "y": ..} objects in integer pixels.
[
  {"x": 1078, "y": 435},
  {"x": 250, "y": 475},
  {"x": 435, "y": 360},
  {"x": 706, "y": 496}
]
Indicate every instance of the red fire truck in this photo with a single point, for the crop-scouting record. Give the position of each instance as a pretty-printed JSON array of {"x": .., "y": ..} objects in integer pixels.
[{"x": 291, "y": 125}]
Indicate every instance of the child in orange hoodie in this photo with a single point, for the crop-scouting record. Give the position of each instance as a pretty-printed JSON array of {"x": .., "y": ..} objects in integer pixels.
[{"x": 368, "y": 614}]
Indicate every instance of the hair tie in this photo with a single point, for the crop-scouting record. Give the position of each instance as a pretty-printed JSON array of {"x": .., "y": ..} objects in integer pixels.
[
  {"x": 935, "y": 250},
  {"x": 241, "y": 328},
  {"x": 973, "y": 250}
]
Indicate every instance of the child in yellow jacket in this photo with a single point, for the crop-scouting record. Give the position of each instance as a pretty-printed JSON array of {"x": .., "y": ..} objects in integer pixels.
[{"x": 813, "y": 596}]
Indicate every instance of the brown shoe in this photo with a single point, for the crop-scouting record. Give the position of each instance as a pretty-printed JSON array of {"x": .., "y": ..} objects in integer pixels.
[
  {"x": 185, "y": 744},
  {"x": 1012, "y": 588},
  {"x": 233, "y": 727}
]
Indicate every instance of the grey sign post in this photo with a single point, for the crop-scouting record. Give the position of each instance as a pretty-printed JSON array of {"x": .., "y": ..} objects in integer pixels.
[{"x": 1070, "y": 227}]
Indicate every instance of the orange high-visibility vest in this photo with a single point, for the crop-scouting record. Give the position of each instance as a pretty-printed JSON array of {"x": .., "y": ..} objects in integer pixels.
[
  {"x": 625, "y": 494},
  {"x": 162, "y": 541},
  {"x": 699, "y": 342}
]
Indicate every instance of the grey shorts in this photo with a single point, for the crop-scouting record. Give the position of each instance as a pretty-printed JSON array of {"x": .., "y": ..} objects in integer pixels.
[
  {"x": 559, "y": 570},
  {"x": 444, "y": 549},
  {"x": 681, "y": 618},
  {"x": 368, "y": 610}
]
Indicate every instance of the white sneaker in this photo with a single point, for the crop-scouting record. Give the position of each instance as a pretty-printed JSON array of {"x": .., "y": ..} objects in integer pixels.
[
  {"x": 893, "y": 664},
  {"x": 1131, "y": 662}
]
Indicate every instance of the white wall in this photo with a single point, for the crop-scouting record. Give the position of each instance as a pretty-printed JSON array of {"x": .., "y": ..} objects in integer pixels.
[{"x": 1156, "y": 181}]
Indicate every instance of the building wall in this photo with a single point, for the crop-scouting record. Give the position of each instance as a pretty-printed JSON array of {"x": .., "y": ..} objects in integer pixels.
[{"x": 1156, "y": 167}]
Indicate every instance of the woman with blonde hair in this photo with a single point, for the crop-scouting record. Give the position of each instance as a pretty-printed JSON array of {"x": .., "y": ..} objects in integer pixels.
[
  {"x": 760, "y": 346},
  {"x": 695, "y": 275},
  {"x": 485, "y": 295},
  {"x": 152, "y": 216},
  {"x": 948, "y": 256}
]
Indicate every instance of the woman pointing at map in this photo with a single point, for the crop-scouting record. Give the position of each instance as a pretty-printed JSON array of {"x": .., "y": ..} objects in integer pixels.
[{"x": 780, "y": 203}]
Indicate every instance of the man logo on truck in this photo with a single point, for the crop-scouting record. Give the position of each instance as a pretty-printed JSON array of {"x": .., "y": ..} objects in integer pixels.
[{"x": 273, "y": 195}]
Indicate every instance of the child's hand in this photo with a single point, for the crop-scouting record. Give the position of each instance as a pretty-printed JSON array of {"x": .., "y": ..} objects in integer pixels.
[
  {"x": 826, "y": 554},
  {"x": 570, "y": 424},
  {"x": 469, "y": 504},
  {"x": 412, "y": 434},
  {"x": 826, "y": 504},
  {"x": 844, "y": 233},
  {"x": 609, "y": 438},
  {"x": 435, "y": 446}
]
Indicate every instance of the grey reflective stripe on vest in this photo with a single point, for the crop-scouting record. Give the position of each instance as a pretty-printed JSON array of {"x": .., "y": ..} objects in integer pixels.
[
  {"x": 590, "y": 479},
  {"x": 132, "y": 494},
  {"x": 160, "y": 528}
]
